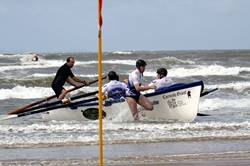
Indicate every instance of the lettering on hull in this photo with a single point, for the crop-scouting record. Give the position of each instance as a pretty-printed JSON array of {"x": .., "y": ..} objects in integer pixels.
[
  {"x": 179, "y": 93},
  {"x": 172, "y": 99}
]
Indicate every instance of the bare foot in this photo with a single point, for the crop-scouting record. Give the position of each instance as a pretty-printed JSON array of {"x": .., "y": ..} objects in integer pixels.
[
  {"x": 66, "y": 100},
  {"x": 136, "y": 116}
]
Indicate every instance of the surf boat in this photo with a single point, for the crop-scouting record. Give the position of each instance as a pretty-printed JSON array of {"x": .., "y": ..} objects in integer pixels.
[{"x": 179, "y": 102}]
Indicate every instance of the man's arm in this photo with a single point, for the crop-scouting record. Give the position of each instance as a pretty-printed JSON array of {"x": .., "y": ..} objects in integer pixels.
[
  {"x": 71, "y": 81},
  {"x": 138, "y": 87},
  {"x": 143, "y": 88},
  {"x": 152, "y": 84},
  {"x": 79, "y": 80}
]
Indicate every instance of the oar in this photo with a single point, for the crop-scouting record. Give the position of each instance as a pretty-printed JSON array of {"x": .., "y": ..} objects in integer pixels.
[
  {"x": 207, "y": 92},
  {"x": 19, "y": 110},
  {"x": 204, "y": 94},
  {"x": 71, "y": 105},
  {"x": 200, "y": 114},
  {"x": 59, "y": 102}
]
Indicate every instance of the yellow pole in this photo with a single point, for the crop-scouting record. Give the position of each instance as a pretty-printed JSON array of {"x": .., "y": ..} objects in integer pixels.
[{"x": 100, "y": 82}]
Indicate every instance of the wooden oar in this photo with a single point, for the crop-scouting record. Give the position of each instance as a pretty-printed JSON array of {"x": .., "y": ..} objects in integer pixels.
[
  {"x": 22, "y": 109},
  {"x": 71, "y": 105},
  {"x": 60, "y": 102}
]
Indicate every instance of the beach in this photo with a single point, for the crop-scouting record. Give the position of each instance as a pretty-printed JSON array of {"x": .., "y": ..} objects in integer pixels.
[{"x": 216, "y": 152}]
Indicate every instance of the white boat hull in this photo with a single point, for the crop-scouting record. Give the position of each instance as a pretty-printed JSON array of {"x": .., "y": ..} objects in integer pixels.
[{"x": 180, "y": 103}]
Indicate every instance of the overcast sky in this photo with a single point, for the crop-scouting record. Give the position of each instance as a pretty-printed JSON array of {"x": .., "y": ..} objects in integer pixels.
[{"x": 71, "y": 25}]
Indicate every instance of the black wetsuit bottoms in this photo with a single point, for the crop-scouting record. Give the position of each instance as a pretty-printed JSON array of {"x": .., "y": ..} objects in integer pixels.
[
  {"x": 57, "y": 89},
  {"x": 136, "y": 98},
  {"x": 61, "y": 76}
]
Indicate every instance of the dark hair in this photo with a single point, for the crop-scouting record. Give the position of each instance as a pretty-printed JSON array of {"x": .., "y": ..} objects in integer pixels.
[
  {"x": 113, "y": 76},
  {"x": 162, "y": 72},
  {"x": 68, "y": 59},
  {"x": 140, "y": 63}
]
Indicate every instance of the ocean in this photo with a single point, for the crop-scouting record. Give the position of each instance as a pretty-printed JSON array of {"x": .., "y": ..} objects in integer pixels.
[{"x": 33, "y": 139}]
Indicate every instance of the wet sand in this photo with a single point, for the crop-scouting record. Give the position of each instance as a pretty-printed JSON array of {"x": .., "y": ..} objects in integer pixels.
[
  {"x": 177, "y": 161},
  {"x": 207, "y": 153}
]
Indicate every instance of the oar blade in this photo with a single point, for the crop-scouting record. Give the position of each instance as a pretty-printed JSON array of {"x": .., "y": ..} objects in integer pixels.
[
  {"x": 201, "y": 114},
  {"x": 208, "y": 92},
  {"x": 7, "y": 117}
]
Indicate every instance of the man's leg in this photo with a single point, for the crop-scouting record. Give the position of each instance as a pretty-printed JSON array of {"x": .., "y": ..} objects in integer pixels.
[
  {"x": 62, "y": 96},
  {"x": 133, "y": 107},
  {"x": 144, "y": 102}
]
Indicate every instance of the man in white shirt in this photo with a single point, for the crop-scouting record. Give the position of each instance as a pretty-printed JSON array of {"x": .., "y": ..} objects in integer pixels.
[
  {"x": 135, "y": 86},
  {"x": 114, "y": 89},
  {"x": 161, "y": 81}
]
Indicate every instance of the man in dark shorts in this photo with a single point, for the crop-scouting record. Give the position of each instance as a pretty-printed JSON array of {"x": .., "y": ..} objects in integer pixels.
[
  {"x": 64, "y": 74},
  {"x": 135, "y": 86}
]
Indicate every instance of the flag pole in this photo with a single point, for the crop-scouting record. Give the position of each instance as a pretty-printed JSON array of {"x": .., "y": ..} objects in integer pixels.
[{"x": 100, "y": 80}]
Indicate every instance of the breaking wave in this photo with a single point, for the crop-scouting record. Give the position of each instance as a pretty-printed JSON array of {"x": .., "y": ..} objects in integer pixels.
[
  {"x": 170, "y": 60},
  {"x": 57, "y": 63},
  {"x": 219, "y": 103},
  {"x": 23, "y": 92},
  {"x": 122, "y": 52},
  {"x": 237, "y": 86},
  {"x": 70, "y": 133},
  {"x": 201, "y": 71}
]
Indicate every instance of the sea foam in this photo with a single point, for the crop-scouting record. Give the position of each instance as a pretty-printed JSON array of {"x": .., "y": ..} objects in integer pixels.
[{"x": 23, "y": 92}]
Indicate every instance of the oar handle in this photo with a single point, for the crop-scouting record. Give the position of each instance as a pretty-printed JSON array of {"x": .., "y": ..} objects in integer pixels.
[
  {"x": 22, "y": 109},
  {"x": 78, "y": 87}
]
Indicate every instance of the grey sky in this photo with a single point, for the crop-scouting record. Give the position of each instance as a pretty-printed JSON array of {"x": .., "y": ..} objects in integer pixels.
[{"x": 71, "y": 25}]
